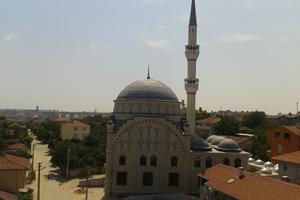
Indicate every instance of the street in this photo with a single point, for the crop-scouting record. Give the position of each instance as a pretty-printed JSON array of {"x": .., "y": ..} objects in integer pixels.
[{"x": 54, "y": 187}]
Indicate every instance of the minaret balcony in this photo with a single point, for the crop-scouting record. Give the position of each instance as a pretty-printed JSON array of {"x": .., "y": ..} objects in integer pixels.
[
  {"x": 192, "y": 52},
  {"x": 191, "y": 85}
]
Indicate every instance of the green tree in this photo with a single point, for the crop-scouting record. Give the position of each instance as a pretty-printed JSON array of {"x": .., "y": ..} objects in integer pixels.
[
  {"x": 228, "y": 125},
  {"x": 255, "y": 119},
  {"x": 259, "y": 144}
]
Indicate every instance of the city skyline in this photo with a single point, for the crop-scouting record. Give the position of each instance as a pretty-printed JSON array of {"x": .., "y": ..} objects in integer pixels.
[{"x": 248, "y": 58}]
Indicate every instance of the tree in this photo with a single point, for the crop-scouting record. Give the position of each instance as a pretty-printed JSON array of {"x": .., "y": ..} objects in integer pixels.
[
  {"x": 255, "y": 119},
  {"x": 259, "y": 144},
  {"x": 228, "y": 125}
]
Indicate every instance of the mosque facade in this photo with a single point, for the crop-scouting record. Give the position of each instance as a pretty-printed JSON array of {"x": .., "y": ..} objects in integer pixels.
[{"x": 151, "y": 147}]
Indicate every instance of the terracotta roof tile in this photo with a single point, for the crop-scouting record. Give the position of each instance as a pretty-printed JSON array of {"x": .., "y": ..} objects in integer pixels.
[
  {"x": 293, "y": 129},
  {"x": 252, "y": 186},
  {"x": 8, "y": 196},
  {"x": 293, "y": 157},
  {"x": 8, "y": 161},
  {"x": 18, "y": 146}
]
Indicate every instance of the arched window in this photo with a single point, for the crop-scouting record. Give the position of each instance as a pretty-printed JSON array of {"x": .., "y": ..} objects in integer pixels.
[
  {"x": 143, "y": 160},
  {"x": 197, "y": 163},
  {"x": 174, "y": 161},
  {"x": 237, "y": 163},
  {"x": 122, "y": 160},
  {"x": 208, "y": 162},
  {"x": 226, "y": 161},
  {"x": 153, "y": 161}
]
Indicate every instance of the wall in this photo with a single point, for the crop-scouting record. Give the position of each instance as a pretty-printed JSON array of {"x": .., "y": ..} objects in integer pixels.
[
  {"x": 12, "y": 180},
  {"x": 68, "y": 132},
  {"x": 292, "y": 171}
]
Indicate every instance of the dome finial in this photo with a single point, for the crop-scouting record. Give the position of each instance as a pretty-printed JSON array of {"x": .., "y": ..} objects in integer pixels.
[{"x": 148, "y": 77}]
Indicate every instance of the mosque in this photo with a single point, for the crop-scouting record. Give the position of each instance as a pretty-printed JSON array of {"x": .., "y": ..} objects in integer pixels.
[{"x": 151, "y": 147}]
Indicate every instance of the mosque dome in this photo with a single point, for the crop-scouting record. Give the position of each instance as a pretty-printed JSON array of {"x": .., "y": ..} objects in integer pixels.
[
  {"x": 265, "y": 171},
  {"x": 228, "y": 145},
  {"x": 259, "y": 162},
  {"x": 268, "y": 164},
  {"x": 148, "y": 89},
  {"x": 211, "y": 138},
  {"x": 217, "y": 140},
  {"x": 199, "y": 144},
  {"x": 251, "y": 160}
]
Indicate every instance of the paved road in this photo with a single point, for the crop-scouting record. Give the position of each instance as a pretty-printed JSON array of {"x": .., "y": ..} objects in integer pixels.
[{"x": 52, "y": 189}]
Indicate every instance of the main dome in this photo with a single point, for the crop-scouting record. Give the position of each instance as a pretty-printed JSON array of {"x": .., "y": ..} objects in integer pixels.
[{"x": 148, "y": 89}]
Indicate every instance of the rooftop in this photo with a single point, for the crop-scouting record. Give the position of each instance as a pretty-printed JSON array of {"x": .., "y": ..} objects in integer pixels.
[
  {"x": 8, "y": 196},
  {"x": 293, "y": 129},
  {"x": 10, "y": 162},
  {"x": 293, "y": 158},
  {"x": 251, "y": 186}
]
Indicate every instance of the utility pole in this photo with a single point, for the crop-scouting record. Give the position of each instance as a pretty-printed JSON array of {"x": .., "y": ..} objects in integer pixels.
[
  {"x": 39, "y": 180},
  {"x": 68, "y": 162},
  {"x": 297, "y": 107},
  {"x": 87, "y": 184}
]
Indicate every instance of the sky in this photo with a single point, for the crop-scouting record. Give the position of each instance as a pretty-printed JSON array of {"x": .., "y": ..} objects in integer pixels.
[{"x": 78, "y": 55}]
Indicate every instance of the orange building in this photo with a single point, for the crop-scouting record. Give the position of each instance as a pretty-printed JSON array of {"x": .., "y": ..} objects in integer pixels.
[{"x": 284, "y": 139}]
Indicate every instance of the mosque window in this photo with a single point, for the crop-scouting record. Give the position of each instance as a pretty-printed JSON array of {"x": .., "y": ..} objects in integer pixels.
[
  {"x": 208, "y": 163},
  {"x": 122, "y": 160},
  {"x": 226, "y": 161},
  {"x": 147, "y": 179},
  {"x": 173, "y": 179},
  {"x": 174, "y": 161},
  {"x": 141, "y": 132},
  {"x": 122, "y": 178},
  {"x": 197, "y": 163},
  {"x": 156, "y": 133},
  {"x": 153, "y": 161},
  {"x": 143, "y": 160},
  {"x": 237, "y": 163},
  {"x": 149, "y": 132}
]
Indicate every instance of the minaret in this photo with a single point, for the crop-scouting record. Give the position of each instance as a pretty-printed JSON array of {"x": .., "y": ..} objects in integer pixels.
[{"x": 192, "y": 82}]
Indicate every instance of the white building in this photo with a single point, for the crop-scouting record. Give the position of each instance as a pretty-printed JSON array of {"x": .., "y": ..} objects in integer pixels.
[{"x": 151, "y": 149}]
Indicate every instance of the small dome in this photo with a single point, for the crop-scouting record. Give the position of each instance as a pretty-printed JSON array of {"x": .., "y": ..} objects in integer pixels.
[
  {"x": 199, "y": 144},
  {"x": 268, "y": 164},
  {"x": 148, "y": 89},
  {"x": 259, "y": 162},
  {"x": 265, "y": 171},
  {"x": 211, "y": 138},
  {"x": 228, "y": 145},
  {"x": 217, "y": 140},
  {"x": 251, "y": 160}
]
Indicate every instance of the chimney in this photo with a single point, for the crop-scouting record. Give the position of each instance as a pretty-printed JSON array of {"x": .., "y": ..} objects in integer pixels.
[
  {"x": 285, "y": 178},
  {"x": 241, "y": 173}
]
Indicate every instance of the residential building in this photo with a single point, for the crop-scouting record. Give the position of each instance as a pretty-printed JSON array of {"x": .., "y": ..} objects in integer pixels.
[
  {"x": 222, "y": 182},
  {"x": 205, "y": 126},
  {"x": 73, "y": 129},
  {"x": 13, "y": 173},
  {"x": 289, "y": 166},
  {"x": 151, "y": 147},
  {"x": 284, "y": 119},
  {"x": 283, "y": 139}
]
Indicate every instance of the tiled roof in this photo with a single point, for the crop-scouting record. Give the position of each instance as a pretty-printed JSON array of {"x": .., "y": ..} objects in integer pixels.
[
  {"x": 293, "y": 157},
  {"x": 209, "y": 120},
  {"x": 251, "y": 186},
  {"x": 75, "y": 123},
  {"x": 8, "y": 196},
  {"x": 238, "y": 140},
  {"x": 18, "y": 146},
  {"x": 293, "y": 129},
  {"x": 13, "y": 162}
]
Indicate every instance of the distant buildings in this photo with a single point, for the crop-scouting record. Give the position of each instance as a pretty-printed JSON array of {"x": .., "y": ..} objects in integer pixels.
[
  {"x": 13, "y": 173},
  {"x": 222, "y": 182},
  {"x": 289, "y": 166},
  {"x": 205, "y": 126},
  {"x": 73, "y": 129},
  {"x": 284, "y": 119},
  {"x": 284, "y": 139}
]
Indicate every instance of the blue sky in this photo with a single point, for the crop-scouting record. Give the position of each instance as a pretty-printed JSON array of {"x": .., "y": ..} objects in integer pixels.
[{"x": 79, "y": 54}]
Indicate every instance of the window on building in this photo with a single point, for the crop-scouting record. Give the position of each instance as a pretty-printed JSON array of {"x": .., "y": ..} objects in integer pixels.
[
  {"x": 277, "y": 134},
  {"x": 143, "y": 160},
  {"x": 122, "y": 160},
  {"x": 285, "y": 167},
  {"x": 208, "y": 163},
  {"x": 237, "y": 163},
  {"x": 141, "y": 132},
  {"x": 226, "y": 161},
  {"x": 147, "y": 179},
  {"x": 287, "y": 137},
  {"x": 121, "y": 178},
  {"x": 153, "y": 161},
  {"x": 197, "y": 163},
  {"x": 174, "y": 161},
  {"x": 173, "y": 179}
]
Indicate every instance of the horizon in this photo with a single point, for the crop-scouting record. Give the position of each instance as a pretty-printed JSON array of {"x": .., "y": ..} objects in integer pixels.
[{"x": 80, "y": 57}]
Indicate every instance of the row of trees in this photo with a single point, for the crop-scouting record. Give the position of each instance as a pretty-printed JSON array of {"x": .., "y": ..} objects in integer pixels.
[
  {"x": 87, "y": 153},
  {"x": 256, "y": 122}
]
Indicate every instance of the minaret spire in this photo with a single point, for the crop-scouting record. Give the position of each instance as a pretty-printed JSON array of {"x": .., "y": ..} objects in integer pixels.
[
  {"x": 192, "y": 82},
  {"x": 148, "y": 77},
  {"x": 193, "y": 17}
]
